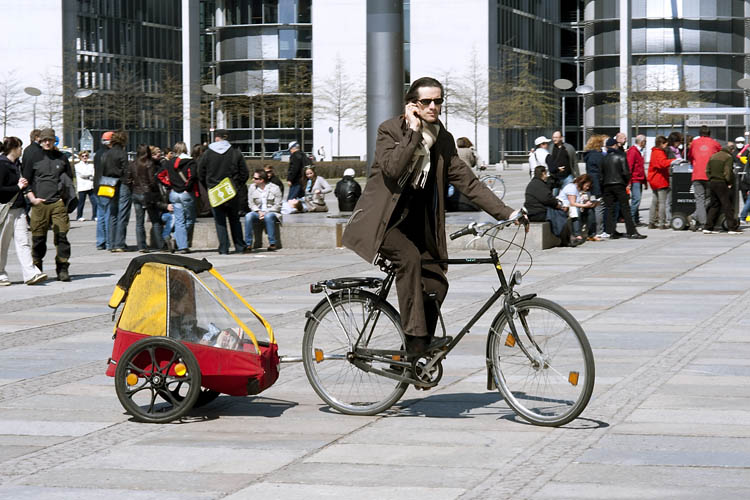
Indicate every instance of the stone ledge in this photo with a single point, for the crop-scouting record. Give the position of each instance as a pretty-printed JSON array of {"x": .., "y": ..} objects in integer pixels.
[{"x": 326, "y": 233}]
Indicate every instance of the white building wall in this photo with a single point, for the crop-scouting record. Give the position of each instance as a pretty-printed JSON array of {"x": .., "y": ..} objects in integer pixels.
[
  {"x": 443, "y": 36},
  {"x": 31, "y": 44},
  {"x": 339, "y": 31}
]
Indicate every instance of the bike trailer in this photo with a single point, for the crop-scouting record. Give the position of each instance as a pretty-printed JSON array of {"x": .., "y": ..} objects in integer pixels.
[{"x": 182, "y": 325}]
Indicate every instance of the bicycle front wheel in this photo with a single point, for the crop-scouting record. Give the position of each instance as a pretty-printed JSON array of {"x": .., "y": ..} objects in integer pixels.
[
  {"x": 495, "y": 183},
  {"x": 546, "y": 371},
  {"x": 337, "y": 323}
]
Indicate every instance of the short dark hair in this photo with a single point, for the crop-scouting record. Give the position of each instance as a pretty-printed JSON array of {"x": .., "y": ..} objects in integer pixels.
[
  {"x": 413, "y": 93},
  {"x": 674, "y": 137},
  {"x": 660, "y": 139},
  {"x": 35, "y": 134},
  {"x": 704, "y": 131},
  {"x": 260, "y": 172},
  {"x": 221, "y": 132},
  {"x": 539, "y": 171}
]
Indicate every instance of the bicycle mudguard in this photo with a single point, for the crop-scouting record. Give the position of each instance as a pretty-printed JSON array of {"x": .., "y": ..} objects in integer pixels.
[{"x": 491, "y": 386}]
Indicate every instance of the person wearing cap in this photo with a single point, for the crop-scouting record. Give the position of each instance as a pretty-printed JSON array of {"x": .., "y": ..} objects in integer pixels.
[
  {"x": 48, "y": 211},
  {"x": 102, "y": 202},
  {"x": 221, "y": 161},
  {"x": 615, "y": 176},
  {"x": 347, "y": 191},
  {"x": 295, "y": 176},
  {"x": 401, "y": 213},
  {"x": 701, "y": 150},
  {"x": 540, "y": 154}
]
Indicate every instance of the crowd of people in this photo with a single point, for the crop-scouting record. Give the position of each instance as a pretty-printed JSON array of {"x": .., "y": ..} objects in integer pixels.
[
  {"x": 40, "y": 187},
  {"x": 588, "y": 207}
]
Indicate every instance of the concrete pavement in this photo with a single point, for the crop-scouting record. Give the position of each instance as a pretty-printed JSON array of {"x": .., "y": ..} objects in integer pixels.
[{"x": 668, "y": 419}]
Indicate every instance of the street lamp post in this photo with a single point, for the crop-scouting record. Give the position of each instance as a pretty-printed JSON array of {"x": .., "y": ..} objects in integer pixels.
[
  {"x": 35, "y": 93},
  {"x": 330, "y": 131},
  {"x": 583, "y": 91},
  {"x": 744, "y": 84},
  {"x": 80, "y": 95},
  {"x": 213, "y": 90},
  {"x": 563, "y": 84}
]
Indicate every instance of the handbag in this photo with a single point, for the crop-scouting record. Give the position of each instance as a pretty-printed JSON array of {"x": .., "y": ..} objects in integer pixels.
[
  {"x": 5, "y": 209},
  {"x": 107, "y": 186},
  {"x": 222, "y": 192}
]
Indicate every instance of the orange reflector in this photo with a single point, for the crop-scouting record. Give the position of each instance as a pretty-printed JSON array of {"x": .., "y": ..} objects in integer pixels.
[
  {"x": 318, "y": 355},
  {"x": 573, "y": 378},
  {"x": 131, "y": 379},
  {"x": 510, "y": 341},
  {"x": 180, "y": 369},
  {"x": 396, "y": 357}
]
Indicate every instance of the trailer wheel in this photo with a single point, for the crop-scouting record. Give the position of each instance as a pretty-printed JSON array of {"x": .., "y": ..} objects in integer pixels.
[{"x": 679, "y": 222}]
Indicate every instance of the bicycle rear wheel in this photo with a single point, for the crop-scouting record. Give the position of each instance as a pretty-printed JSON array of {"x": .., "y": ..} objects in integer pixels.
[
  {"x": 546, "y": 374},
  {"x": 327, "y": 352},
  {"x": 495, "y": 183}
]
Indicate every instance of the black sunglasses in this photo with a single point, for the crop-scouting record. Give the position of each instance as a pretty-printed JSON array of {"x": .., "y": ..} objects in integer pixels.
[
  {"x": 257, "y": 178},
  {"x": 426, "y": 102}
]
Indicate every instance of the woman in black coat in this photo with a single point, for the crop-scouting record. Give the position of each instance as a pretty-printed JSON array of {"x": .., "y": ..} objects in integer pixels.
[{"x": 593, "y": 158}]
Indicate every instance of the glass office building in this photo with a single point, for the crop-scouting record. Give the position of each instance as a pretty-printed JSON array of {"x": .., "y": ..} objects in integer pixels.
[
  {"x": 129, "y": 53},
  {"x": 684, "y": 53},
  {"x": 259, "y": 53}
]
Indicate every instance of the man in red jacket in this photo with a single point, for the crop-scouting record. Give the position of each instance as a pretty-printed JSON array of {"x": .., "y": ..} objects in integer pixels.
[
  {"x": 701, "y": 150},
  {"x": 637, "y": 176}
]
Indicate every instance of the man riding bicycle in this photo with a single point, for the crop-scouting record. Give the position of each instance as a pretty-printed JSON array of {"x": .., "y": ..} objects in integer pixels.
[{"x": 401, "y": 214}]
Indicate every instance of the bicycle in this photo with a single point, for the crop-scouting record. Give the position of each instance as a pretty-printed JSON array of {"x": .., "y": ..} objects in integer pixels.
[
  {"x": 537, "y": 354},
  {"x": 495, "y": 182}
]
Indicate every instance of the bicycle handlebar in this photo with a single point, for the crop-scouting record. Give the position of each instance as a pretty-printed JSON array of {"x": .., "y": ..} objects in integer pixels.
[{"x": 475, "y": 228}]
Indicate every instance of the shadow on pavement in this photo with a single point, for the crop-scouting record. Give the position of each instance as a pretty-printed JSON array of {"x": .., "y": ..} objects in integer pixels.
[
  {"x": 455, "y": 405},
  {"x": 231, "y": 406}
]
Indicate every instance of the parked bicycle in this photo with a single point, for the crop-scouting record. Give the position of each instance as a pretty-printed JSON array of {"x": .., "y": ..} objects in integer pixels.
[
  {"x": 495, "y": 182},
  {"x": 537, "y": 354}
]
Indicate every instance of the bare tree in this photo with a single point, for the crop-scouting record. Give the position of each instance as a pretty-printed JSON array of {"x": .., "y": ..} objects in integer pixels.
[
  {"x": 12, "y": 100},
  {"x": 296, "y": 104},
  {"x": 167, "y": 101},
  {"x": 520, "y": 98},
  {"x": 124, "y": 94},
  {"x": 447, "y": 82},
  {"x": 470, "y": 94},
  {"x": 339, "y": 98},
  {"x": 51, "y": 100}
]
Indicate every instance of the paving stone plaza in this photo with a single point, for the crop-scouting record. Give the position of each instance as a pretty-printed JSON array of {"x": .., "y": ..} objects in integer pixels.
[{"x": 670, "y": 415}]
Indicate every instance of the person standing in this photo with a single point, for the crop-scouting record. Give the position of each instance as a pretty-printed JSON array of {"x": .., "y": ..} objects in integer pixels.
[
  {"x": 264, "y": 199},
  {"x": 540, "y": 155},
  {"x": 145, "y": 197},
  {"x": 593, "y": 157},
  {"x": 295, "y": 176},
  {"x": 559, "y": 140},
  {"x": 85, "y": 185},
  {"x": 180, "y": 175},
  {"x": 637, "y": 176},
  {"x": 401, "y": 214},
  {"x": 48, "y": 211},
  {"x": 115, "y": 165},
  {"x": 14, "y": 227},
  {"x": 221, "y": 161},
  {"x": 103, "y": 203},
  {"x": 720, "y": 172},
  {"x": 701, "y": 150},
  {"x": 615, "y": 176}
]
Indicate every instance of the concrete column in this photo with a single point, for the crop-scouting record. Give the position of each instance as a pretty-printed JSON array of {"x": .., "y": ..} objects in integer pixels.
[
  {"x": 625, "y": 57},
  {"x": 385, "y": 66},
  {"x": 191, "y": 85},
  {"x": 220, "y": 20}
]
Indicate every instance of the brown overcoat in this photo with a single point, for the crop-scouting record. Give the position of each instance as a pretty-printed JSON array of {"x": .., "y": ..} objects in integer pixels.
[{"x": 394, "y": 149}]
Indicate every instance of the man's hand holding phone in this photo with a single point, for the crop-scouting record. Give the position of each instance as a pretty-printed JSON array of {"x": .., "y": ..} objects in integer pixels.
[{"x": 411, "y": 113}]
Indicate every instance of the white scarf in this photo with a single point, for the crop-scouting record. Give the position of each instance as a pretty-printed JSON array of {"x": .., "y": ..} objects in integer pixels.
[{"x": 420, "y": 166}]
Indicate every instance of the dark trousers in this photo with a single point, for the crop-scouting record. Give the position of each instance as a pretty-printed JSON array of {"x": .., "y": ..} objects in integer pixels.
[
  {"x": 615, "y": 193},
  {"x": 720, "y": 191},
  {"x": 43, "y": 218},
  {"x": 414, "y": 281},
  {"x": 222, "y": 213},
  {"x": 295, "y": 191},
  {"x": 141, "y": 209},
  {"x": 124, "y": 203},
  {"x": 82, "y": 203}
]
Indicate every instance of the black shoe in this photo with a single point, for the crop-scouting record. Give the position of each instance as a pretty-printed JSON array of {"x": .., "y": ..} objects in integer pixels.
[
  {"x": 247, "y": 250},
  {"x": 419, "y": 346},
  {"x": 271, "y": 248},
  {"x": 62, "y": 275},
  {"x": 637, "y": 236},
  {"x": 184, "y": 251}
]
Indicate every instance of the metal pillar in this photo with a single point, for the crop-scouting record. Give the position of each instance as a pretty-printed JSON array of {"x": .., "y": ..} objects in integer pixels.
[
  {"x": 191, "y": 89},
  {"x": 625, "y": 56},
  {"x": 385, "y": 66}
]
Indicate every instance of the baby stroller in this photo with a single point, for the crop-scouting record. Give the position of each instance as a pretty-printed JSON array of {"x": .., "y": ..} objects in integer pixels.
[{"x": 183, "y": 338}]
